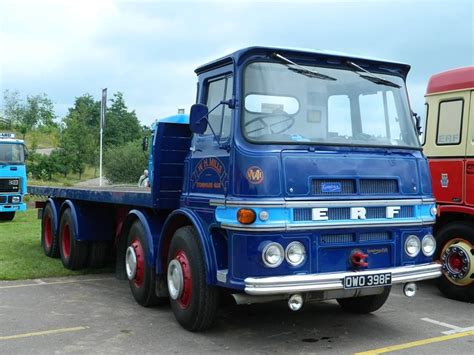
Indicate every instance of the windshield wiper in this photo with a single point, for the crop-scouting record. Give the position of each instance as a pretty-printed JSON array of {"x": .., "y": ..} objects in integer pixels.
[
  {"x": 302, "y": 70},
  {"x": 372, "y": 77}
]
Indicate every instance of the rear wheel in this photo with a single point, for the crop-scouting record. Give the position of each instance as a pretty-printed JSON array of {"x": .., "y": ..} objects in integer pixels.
[
  {"x": 7, "y": 216},
  {"x": 73, "y": 252},
  {"x": 141, "y": 276},
  {"x": 456, "y": 253},
  {"x": 49, "y": 239},
  {"x": 364, "y": 304},
  {"x": 193, "y": 301}
]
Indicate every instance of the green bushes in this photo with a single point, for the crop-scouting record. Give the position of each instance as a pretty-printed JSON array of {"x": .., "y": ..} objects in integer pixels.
[{"x": 125, "y": 163}]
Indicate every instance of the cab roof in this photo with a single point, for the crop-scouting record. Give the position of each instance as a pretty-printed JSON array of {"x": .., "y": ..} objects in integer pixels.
[
  {"x": 450, "y": 80},
  {"x": 334, "y": 57}
]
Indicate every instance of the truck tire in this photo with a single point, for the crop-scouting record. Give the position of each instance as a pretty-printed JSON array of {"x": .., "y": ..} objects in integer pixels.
[
  {"x": 98, "y": 254},
  {"x": 7, "y": 216},
  {"x": 364, "y": 304},
  {"x": 455, "y": 251},
  {"x": 49, "y": 239},
  {"x": 141, "y": 276},
  {"x": 73, "y": 252},
  {"x": 193, "y": 301}
]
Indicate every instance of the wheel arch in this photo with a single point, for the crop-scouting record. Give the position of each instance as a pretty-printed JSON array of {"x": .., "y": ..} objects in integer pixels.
[
  {"x": 152, "y": 228},
  {"x": 448, "y": 214},
  {"x": 55, "y": 217},
  {"x": 177, "y": 219},
  {"x": 65, "y": 205}
]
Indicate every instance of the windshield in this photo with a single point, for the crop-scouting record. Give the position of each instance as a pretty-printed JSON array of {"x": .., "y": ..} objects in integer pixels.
[
  {"x": 11, "y": 153},
  {"x": 282, "y": 105}
]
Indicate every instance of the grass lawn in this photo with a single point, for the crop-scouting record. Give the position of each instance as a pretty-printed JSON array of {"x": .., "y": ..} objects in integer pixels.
[{"x": 21, "y": 255}]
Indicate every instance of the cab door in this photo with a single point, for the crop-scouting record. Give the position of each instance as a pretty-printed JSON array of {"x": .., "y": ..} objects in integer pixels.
[
  {"x": 210, "y": 153},
  {"x": 447, "y": 138},
  {"x": 469, "y": 163}
]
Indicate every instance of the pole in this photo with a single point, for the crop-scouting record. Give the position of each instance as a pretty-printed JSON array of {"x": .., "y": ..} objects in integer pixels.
[{"x": 102, "y": 124}]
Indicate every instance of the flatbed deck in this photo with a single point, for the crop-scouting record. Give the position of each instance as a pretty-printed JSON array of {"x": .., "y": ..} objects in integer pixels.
[{"x": 121, "y": 195}]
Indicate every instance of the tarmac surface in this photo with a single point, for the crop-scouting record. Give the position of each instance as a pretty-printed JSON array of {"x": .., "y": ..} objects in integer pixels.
[{"x": 97, "y": 314}]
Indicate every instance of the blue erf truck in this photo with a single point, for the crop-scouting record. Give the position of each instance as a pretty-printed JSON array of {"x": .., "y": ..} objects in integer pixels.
[
  {"x": 297, "y": 176},
  {"x": 12, "y": 176}
]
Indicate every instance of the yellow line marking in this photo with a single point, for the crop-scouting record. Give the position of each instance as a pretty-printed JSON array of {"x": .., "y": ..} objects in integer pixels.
[
  {"x": 42, "y": 283},
  {"x": 45, "y": 332},
  {"x": 416, "y": 343}
]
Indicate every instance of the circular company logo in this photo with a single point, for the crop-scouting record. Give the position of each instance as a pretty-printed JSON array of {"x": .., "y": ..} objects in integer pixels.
[{"x": 255, "y": 175}]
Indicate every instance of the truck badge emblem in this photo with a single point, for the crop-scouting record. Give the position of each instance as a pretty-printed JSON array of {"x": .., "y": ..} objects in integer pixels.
[
  {"x": 255, "y": 175},
  {"x": 444, "y": 180},
  {"x": 328, "y": 187}
]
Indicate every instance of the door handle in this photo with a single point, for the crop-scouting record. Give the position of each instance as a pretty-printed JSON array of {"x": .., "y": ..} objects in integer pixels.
[{"x": 470, "y": 168}]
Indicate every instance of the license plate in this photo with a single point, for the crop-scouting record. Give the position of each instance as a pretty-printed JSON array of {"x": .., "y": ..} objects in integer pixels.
[{"x": 372, "y": 280}]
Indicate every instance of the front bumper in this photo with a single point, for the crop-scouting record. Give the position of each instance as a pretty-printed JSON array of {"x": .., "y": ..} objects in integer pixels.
[
  {"x": 17, "y": 207},
  {"x": 334, "y": 281}
]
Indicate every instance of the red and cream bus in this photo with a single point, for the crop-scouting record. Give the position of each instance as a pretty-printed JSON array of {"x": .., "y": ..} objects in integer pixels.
[{"x": 448, "y": 143}]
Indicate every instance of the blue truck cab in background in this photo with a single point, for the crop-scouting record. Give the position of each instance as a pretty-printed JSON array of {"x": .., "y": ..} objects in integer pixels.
[
  {"x": 12, "y": 176},
  {"x": 298, "y": 177}
]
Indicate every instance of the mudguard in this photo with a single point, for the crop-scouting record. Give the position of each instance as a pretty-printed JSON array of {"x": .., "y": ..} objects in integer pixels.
[{"x": 174, "y": 221}]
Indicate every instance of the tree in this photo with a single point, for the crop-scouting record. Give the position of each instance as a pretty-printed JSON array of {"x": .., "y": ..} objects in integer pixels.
[
  {"x": 125, "y": 164},
  {"x": 12, "y": 109},
  {"x": 122, "y": 126},
  {"x": 77, "y": 142},
  {"x": 36, "y": 112}
]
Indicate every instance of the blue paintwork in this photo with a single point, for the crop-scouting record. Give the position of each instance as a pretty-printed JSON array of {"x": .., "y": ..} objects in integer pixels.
[{"x": 184, "y": 181}]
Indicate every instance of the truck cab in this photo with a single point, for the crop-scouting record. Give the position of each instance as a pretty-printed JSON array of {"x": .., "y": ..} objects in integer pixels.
[
  {"x": 12, "y": 176},
  {"x": 307, "y": 179},
  {"x": 448, "y": 143}
]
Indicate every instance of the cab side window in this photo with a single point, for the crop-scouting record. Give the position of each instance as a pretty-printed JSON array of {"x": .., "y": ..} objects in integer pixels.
[
  {"x": 219, "y": 119},
  {"x": 449, "y": 122}
]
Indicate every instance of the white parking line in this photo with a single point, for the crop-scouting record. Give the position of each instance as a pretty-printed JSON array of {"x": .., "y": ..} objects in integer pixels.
[
  {"x": 441, "y": 323},
  {"x": 454, "y": 328},
  {"x": 39, "y": 282}
]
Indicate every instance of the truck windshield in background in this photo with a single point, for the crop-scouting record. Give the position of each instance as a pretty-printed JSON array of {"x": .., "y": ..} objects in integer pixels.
[
  {"x": 12, "y": 153},
  {"x": 327, "y": 106}
]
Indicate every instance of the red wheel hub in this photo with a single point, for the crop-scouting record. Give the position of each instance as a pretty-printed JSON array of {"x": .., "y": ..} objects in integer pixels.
[
  {"x": 140, "y": 273},
  {"x": 48, "y": 238},
  {"x": 185, "y": 298},
  {"x": 455, "y": 262},
  {"x": 66, "y": 241}
]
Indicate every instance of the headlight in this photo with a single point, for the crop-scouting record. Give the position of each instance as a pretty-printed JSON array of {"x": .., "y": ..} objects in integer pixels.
[
  {"x": 295, "y": 253},
  {"x": 433, "y": 211},
  {"x": 412, "y": 246},
  {"x": 428, "y": 245},
  {"x": 273, "y": 255}
]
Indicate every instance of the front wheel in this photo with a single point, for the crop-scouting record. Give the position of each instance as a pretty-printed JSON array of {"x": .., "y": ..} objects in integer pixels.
[
  {"x": 193, "y": 301},
  {"x": 364, "y": 304},
  {"x": 456, "y": 253},
  {"x": 7, "y": 216}
]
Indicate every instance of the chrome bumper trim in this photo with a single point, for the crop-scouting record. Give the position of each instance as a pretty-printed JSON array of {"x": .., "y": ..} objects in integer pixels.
[
  {"x": 275, "y": 203},
  {"x": 334, "y": 281},
  {"x": 326, "y": 225}
]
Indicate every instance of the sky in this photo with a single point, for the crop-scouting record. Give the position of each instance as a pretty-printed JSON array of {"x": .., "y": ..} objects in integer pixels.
[{"x": 149, "y": 49}]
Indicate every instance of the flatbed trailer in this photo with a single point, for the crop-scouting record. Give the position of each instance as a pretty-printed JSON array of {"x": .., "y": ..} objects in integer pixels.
[
  {"x": 117, "y": 195},
  {"x": 298, "y": 176}
]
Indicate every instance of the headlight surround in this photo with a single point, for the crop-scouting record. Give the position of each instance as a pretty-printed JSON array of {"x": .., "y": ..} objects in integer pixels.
[
  {"x": 412, "y": 246},
  {"x": 273, "y": 255},
  {"x": 295, "y": 253},
  {"x": 428, "y": 245}
]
